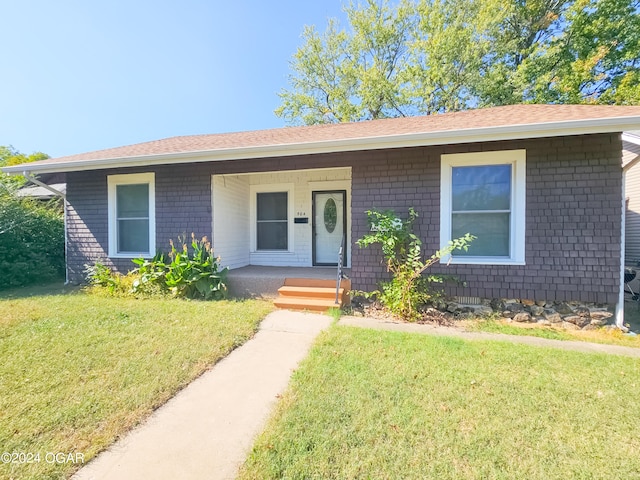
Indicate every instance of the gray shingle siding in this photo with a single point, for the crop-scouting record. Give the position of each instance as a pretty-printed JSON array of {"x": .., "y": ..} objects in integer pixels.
[
  {"x": 572, "y": 227},
  {"x": 572, "y": 213},
  {"x": 183, "y": 206}
]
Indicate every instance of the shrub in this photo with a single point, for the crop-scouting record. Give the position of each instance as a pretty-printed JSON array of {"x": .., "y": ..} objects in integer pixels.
[
  {"x": 189, "y": 271},
  {"x": 31, "y": 241},
  {"x": 407, "y": 289}
]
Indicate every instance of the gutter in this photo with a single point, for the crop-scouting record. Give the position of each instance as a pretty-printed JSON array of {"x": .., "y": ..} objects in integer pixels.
[{"x": 403, "y": 140}]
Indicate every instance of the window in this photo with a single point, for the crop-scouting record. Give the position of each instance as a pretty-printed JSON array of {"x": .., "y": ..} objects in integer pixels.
[
  {"x": 271, "y": 230},
  {"x": 484, "y": 194},
  {"x": 131, "y": 215},
  {"x": 272, "y": 222}
]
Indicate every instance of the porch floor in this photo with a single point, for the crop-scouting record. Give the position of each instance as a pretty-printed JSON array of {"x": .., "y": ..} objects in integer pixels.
[{"x": 261, "y": 281}]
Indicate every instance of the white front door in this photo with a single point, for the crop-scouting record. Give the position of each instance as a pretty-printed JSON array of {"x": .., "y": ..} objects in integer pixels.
[{"x": 329, "y": 226}]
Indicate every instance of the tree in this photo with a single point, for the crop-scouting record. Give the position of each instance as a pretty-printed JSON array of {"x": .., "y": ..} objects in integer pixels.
[
  {"x": 10, "y": 156},
  {"x": 340, "y": 76},
  {"x": 433, "y": 56},
  {"x": 595, "y": 58}
]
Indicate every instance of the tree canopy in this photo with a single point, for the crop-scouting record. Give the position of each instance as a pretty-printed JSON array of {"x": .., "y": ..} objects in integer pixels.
[
  {"x": 418, "y": 57},
  {"x": 11, "y": 156}
]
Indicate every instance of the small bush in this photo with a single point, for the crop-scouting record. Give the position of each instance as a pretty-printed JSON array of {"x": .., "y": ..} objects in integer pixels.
[
  {"x": 189, "y": 271},
  {"x": 408, "y": 289}
]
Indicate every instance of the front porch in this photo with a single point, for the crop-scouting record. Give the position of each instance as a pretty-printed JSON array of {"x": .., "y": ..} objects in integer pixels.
[{"x": 255, "y": 281}]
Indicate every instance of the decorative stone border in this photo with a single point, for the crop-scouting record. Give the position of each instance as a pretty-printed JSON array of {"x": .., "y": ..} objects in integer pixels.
[{"x": 570, "y": 315}]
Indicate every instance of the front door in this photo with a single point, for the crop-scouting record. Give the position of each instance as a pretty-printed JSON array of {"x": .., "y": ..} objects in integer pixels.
[{"x": 329, "y": 226}]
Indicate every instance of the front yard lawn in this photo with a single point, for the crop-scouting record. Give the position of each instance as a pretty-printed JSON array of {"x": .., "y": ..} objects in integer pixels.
[
  {"x": 79, "y": 370},
  {"x": 374, "y": 404}
]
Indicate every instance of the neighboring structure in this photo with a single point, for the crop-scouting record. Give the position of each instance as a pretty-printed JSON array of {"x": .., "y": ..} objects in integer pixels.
[
  {"x": 539, "y": 185},
  {"x": 631, "y": 166},
  {"x": 49, "y": 186}
]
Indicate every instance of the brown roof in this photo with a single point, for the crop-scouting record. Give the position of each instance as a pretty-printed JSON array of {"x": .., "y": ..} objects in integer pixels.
[{"x": 526, "y": 120}]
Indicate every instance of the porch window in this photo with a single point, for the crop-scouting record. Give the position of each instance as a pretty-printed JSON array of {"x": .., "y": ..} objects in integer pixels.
[
  {"x": 131, "y": 201},
  {"x": 484, "y": 194},
  {"x": 272, "y": 222}
]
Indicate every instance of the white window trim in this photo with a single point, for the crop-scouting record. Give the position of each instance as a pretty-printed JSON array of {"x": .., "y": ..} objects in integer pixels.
[
  {"x": 253, "y": 230},
  {"x": 129, "y": 179},
  {"x": 517, "y": 159}
]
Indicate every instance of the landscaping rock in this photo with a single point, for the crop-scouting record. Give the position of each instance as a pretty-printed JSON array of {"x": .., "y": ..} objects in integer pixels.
[
  {"x": 582, "y": 312},
  {"x": 552, "y": 316},
  {"x": 570, "y": 326},
  {"x": 591, "y": 326},
  {"x": 497, "y": 305},
  {"x": 576, "y": 320},
  {"x": 482, "y": 310},
  {"x": 536, "y": 310},
  {"x": 563, "y": 308},
  {"x": 522, "y": 317},
  {"x": 599, "y": 322},
  {"x": 515, "y": 307},
  {"x": 528, "y": 310},
  {"x": 600, "y": 315}
]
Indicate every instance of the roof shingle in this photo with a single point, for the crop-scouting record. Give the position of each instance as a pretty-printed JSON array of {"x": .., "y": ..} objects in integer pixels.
[{"x": 470, "y": 120}]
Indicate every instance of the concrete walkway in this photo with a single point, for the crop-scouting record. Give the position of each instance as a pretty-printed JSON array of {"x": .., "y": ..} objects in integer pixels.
[
  {"x": 207, "y": 429},
  {"x": 428, "y": 329}
]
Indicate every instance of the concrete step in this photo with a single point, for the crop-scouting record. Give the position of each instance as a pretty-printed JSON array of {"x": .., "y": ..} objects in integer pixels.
[
  {"x": 305, "y": 303},
  {"x": 312, "y": 294}
]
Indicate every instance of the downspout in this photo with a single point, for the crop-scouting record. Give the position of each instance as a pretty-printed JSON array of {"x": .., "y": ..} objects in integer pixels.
[
  {"x": 58, "y": 193},
  {"x": 620, "y": 306}
]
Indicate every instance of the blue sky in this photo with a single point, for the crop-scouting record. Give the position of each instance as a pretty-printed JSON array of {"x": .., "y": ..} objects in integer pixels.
[{"x": 83, "y": 75}]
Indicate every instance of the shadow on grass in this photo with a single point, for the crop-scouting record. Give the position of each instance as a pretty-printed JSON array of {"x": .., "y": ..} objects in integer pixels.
[
  {"x": 51, "y": 288},
  {"x": 632, "y": 315}
]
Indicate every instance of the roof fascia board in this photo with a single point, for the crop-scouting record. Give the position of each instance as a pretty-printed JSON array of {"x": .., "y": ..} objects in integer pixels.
[
  {"x": 463, "y": 136},
  {"x": 631, "y": 138}
]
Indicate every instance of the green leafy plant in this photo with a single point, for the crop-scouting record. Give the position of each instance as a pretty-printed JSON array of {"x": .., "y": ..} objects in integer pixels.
[
  {"x": 104, "y": 281},
  {"x": 189, "y": 271},
  {"x": 151, "y": 275},
  {"x": 194, "y": 272},
  {"x": 408, "y": 288}
]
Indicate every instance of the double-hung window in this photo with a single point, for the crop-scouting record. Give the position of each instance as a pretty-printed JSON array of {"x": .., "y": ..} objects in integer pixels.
[
  {"x": 271, "y": 218},
  {"x": 484, "y": 194},
  {"x": 131, "y": 215},
  {"x": 272, "y": 221}
]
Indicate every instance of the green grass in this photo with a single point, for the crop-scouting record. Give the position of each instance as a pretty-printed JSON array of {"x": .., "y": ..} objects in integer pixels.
[
  {"x": 601, "y": 335},
  {"x": 79, "y": 370},
  {"x": 497, "y": 326},
  {"x": 373, "y": 404}
]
